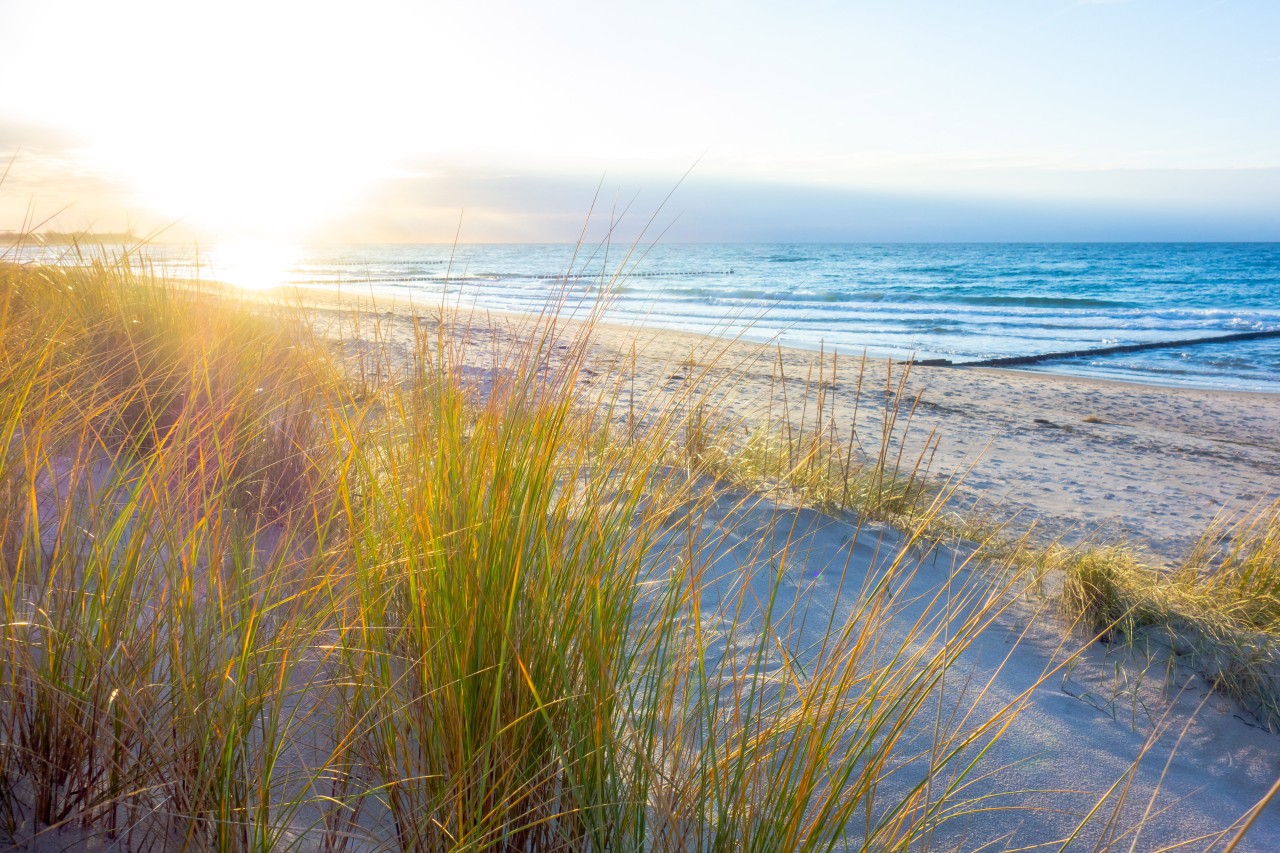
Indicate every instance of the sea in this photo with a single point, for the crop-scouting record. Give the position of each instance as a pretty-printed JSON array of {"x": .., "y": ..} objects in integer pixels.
[{"x": 963, "y": 302}]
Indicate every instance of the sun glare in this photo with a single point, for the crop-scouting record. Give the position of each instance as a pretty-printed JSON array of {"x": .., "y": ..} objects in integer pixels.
[
  {"x": 252, "y": 266},
  {"x": 259, "y": 122},
  {"x": 221, "y": 187}
]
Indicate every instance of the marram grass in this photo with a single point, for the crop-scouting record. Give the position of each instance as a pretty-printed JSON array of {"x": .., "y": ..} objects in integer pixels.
[
  {"x": 251, "y": 599},
  {"x": 1219, "y": 611}
]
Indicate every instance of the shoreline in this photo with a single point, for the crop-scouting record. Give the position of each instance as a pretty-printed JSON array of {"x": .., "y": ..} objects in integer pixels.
[
  {"x": 376, "y": 303},
  {"x": 1043, "y": 363},
  {"x": 1079, "y": 457}
]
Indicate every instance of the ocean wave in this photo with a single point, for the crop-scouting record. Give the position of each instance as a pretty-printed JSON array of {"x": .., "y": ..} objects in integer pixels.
[
  {"x": 720, "y": 295},
  {"x": 1044, "y": 301},
  {"x": 952, "y": 322},
  {"x": 1139, "y": 367}
]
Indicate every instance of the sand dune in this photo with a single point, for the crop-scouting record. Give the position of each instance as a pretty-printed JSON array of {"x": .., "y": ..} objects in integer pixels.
[{"x": 1186, "y": 763}]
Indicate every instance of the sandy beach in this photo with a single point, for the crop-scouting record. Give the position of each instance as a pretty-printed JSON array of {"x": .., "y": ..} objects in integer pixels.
[
  {"x": 1145, "y": 465},
  {"x": 1079, "y": 458}
]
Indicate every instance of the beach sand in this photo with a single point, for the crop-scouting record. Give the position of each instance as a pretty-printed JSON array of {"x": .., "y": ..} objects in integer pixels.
[
  {"x": 1078, "y": 458},
  {"x": 1184, "y": 762}
]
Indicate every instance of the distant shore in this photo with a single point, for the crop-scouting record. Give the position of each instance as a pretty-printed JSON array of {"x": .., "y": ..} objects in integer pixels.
[{"x": 1079, "y": 457}]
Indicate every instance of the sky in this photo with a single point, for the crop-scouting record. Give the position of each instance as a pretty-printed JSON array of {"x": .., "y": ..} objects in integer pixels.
[{"x": 874, "y": 120}]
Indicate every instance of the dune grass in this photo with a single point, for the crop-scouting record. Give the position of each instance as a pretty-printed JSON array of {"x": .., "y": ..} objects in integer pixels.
[
  {"x": 1219, "y": 611},
  {"x": 819, "y": 463},
  {"x": 154, "y": 466},
  {"x": 255, "y": 599}
]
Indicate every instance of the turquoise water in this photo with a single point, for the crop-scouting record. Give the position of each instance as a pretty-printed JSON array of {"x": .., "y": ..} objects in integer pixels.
[{"x": 956, "y": 301}]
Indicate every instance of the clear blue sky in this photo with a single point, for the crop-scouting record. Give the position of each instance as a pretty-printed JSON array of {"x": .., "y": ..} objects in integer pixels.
[{"x": 890, "y": 120}]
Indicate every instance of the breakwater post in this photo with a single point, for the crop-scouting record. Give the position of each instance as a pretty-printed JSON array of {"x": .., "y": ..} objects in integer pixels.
[{"x": 1024, "y": 360}]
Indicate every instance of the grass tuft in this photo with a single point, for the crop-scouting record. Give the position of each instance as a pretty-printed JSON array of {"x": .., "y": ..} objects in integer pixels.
[{"x": 1219, "y": 611}]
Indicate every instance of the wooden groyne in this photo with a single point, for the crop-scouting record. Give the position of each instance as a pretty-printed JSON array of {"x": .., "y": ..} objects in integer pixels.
[
  {"x": 584, "y": 276},
  {"x": 626, "y": 275},
  {"x": 1025, "y": 360}
]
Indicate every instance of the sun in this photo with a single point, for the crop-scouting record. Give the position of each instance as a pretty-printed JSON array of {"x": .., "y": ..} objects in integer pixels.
[
  {"x": 254, "y": 123},
  {"x": 226, "y": 183}
]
